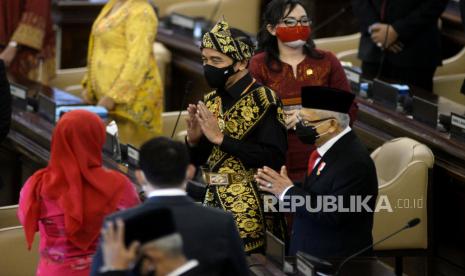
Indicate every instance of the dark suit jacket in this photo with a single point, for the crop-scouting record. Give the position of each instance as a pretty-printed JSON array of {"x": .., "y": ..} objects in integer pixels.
[
  {"x": 416, "y": 22},
  {"x": 348, "y": 171},
  {"x": 209, "y": 235},
  {"x": 5, "y": 103}
]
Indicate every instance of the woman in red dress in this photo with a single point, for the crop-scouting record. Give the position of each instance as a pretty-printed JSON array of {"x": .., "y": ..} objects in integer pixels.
[
  {"x": 27, "y": 39},
  {"x": 68, "y": 200},
  {"x": 288, "y": 61}
]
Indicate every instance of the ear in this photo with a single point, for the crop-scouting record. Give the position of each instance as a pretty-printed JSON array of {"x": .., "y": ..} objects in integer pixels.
[
  {"x": 190, "y": 172},
  {"x": 334, "y": 126},
  {"x": 271, "y": 29},
  {"x": 140, "y": 176}
]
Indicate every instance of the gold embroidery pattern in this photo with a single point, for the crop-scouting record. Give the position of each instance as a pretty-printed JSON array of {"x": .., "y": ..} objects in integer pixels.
[
  {"x": 242, "y": 197},
  {"x": 221, "y": 40},
  {"x": 30, "y": 31}
]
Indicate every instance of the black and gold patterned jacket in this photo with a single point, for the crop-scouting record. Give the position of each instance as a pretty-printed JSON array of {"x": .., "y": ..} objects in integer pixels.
[{"x": 251, "y": 119}]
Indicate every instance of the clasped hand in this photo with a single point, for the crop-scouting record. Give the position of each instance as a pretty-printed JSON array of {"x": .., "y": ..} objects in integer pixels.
[
  {"x": 386, "y": 37},
  {"x": 202, "y": 121},
  {"x": 273, "y": 182}
]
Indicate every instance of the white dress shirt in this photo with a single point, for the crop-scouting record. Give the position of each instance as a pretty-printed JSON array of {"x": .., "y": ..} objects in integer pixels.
[
  {"x": 322, "y": 150},
  {"x": 167, "y": 192}
]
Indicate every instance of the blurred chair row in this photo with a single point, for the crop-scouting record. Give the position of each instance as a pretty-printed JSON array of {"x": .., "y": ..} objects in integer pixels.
[{"x": 241, "y": 14}]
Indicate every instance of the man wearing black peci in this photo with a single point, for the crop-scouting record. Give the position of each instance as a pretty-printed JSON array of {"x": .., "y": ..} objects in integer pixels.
[{"x": 340, "y": 168}]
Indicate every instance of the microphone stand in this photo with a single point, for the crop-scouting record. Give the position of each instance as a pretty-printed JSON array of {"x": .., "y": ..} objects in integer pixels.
[
  {"x": 183, "y": 102},
  {"x": 332, "y": 18},
  {"x": 410, "y": 224}
]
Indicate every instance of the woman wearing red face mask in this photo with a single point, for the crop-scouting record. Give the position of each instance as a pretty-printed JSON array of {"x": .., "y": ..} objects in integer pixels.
[{"x": 288, "y": 61}]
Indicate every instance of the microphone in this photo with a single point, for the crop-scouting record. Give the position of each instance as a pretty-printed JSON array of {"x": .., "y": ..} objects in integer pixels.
[
  {"x": 412, "y": 223},
  {"x": 187, "y": 88},
  {"x": 332, "y": 18},
  {"x": 214, "y": 12}
]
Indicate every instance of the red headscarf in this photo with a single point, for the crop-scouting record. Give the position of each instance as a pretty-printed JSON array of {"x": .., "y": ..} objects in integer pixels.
[{"x": 75, "y": 178}]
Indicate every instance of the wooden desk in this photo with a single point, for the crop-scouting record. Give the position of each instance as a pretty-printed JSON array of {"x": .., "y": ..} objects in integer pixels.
[
  {"x": 28, "y": 144},
  {"x": 259, "y": 265}
]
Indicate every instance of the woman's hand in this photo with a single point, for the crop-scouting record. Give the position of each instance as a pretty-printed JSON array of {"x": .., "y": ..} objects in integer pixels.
[
  {"x": 86, "y": 97},
  {"x": 107, "y": 102},
  {"x": 8, "y": 55}
]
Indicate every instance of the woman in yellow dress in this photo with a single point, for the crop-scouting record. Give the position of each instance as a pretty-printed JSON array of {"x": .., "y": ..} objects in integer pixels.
[{"x": 122, "y": 71}]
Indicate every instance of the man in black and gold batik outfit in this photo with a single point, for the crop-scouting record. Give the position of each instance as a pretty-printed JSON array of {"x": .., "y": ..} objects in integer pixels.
[{"x": 237, "y": 128}]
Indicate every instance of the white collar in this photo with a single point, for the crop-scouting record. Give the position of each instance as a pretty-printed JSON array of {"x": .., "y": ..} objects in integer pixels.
[
  {"x": 184, "y": 268},
  {"x": 322, "y": 150},
  {"x": 167, "y": 192}
]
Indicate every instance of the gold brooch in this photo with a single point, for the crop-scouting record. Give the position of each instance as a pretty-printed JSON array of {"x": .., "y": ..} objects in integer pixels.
[{"x": 309, "y": 72}]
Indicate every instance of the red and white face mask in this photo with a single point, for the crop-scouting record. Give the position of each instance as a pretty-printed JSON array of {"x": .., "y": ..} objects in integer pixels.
[{"x": 294, "y": 37}]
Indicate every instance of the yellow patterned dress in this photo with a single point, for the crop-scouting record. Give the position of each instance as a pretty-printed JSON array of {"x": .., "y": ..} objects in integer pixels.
[{"x": 122, "y": 65}]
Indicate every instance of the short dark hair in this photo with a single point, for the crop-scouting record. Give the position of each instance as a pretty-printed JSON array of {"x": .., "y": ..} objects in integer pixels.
[{"x": 164, "y": 161}]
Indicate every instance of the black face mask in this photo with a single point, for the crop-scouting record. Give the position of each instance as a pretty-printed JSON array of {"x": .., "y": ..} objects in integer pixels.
[
  {"x": 307, "y": 134},
  {"x": 217, "y": 77}
]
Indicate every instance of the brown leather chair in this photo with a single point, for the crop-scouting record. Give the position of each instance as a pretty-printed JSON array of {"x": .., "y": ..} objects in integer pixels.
[
  {"x": 163, "y": 5},
  {"x": 448, "y": 86},
  {"x": 338, "y": 44},
  {"x": 242, "y": 14},
  {"x": 8, "y": 216},
  {"x": 403, "y": 167},
  {"x": 16, "y": 260},
  {"x": 453, "y": 65}
]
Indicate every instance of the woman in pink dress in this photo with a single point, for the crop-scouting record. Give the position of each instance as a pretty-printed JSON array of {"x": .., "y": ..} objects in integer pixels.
[{"x": 68, "y": 200}]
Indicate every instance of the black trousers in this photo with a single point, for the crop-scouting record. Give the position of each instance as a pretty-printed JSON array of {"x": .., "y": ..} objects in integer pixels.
[{"x": 416, "y": 76}]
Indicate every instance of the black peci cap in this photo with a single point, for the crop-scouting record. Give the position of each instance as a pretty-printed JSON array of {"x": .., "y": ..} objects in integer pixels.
[
  {"x": 149, "y": 225},
  {"x": 326, "y": 98}
]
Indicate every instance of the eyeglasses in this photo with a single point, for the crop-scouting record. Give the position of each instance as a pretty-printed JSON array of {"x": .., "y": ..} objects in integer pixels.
[
  {"x": 307, "y": 123},
  {"x": 292, "y": 22}
]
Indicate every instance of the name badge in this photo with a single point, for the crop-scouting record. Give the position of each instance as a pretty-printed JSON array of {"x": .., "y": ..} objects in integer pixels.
[
  {"x": 354, "y": 79},
  {"x": 218, "y": 179},
  {"x": 457, "y": 128},
  {"x": 133, "y": 156},
  {"x": 19, "y": 96}
]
